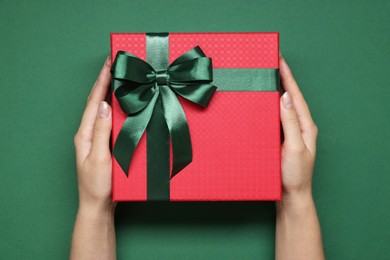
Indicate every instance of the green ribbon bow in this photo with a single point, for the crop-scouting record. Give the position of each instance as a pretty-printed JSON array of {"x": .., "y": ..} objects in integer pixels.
[{"x": 137, "y": 86}]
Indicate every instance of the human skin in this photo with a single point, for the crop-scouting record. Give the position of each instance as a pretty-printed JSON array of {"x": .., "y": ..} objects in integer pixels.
[
  {"x": 298, "y": 233},
  {"x": 94, "y": 231}
]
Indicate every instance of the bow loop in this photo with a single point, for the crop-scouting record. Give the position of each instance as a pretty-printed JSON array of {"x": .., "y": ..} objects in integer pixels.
[
  {"x": 128, "y": 67},
  {"x": 194, "y": 53},
  {"x": 197, "y": 70},
  {"x": 133, "y": 100},
  {"x": 200, "y": 94}
]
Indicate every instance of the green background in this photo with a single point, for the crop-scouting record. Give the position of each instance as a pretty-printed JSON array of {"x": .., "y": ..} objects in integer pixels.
[{"x": 51, "y": 53}]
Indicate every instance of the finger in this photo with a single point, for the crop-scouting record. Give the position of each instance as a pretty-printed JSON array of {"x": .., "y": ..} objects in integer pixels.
[
  {"x": 290, "y": 123},
  {"x": 84, "y": 135},
  {"x": 96, "y": 96},
  {"x": 106, "y": 62},
  {"x": 308, "y": 127},
  {"x": 300, "y": 104},
  {"x": 101, "y": 133}
]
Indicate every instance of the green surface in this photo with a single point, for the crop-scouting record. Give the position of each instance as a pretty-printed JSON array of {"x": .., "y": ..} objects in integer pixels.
[{"x": 51, "y": 53}]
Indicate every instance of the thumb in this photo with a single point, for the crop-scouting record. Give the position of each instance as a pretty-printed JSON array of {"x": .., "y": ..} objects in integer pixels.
[
  {"x": 290, "y": 122},
  {"x": 101, "y": 133}
]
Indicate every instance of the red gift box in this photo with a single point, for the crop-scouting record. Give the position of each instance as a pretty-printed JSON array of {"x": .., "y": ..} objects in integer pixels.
[{"x": 235, "y": 139}]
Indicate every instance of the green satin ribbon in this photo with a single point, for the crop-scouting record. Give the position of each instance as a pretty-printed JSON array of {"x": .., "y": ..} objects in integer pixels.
[{"x": 137, "y": 87}]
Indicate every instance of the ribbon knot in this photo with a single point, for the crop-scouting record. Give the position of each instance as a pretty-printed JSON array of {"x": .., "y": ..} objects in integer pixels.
[
  {"x": 162, "y": 77},
  {"x": 137, "y": 86}
]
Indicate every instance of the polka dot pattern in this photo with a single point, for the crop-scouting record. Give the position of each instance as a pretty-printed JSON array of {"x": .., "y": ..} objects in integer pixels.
[
  {"x": 230, "y": 50},
  {"x": 236, "y": 139},
  {"x": 130, "y": 42},
  {"x": 133, "y": 187},
  {"x": 236, "y": 149}
]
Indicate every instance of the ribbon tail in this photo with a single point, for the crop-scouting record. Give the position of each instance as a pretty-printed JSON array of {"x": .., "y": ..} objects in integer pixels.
[
  {"x": 131, "y": 133},
  {"x": 178, "y": 130}
]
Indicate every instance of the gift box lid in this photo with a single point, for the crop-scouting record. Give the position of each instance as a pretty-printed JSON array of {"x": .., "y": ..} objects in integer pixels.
[{"x": 235, "y": 139}]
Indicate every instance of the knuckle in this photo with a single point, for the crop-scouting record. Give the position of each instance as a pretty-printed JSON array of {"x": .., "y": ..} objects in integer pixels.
[
  {"x": 99, "y": 130},
  {"x": 314, "y": 129},
  {"x": 300, "y": 149},
  {"x": 100, "y": 159},
  {"x": 297, "y": 149},
  {"x": 293, "y": 121},
  {"x": 79, "y": 138},
  {"x": 76, "y": 139}
]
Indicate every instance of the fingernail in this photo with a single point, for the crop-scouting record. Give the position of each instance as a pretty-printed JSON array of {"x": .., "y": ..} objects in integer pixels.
[
  {"x": 286, "y": 101},
  {"x": 104, "y": 110},
  {"x": 108, "y": 61}
]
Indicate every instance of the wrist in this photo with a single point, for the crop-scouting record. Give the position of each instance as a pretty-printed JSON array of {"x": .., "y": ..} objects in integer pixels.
[
  {"x": 295, "y": 200},
  {"x": 97, "y": 210}
]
